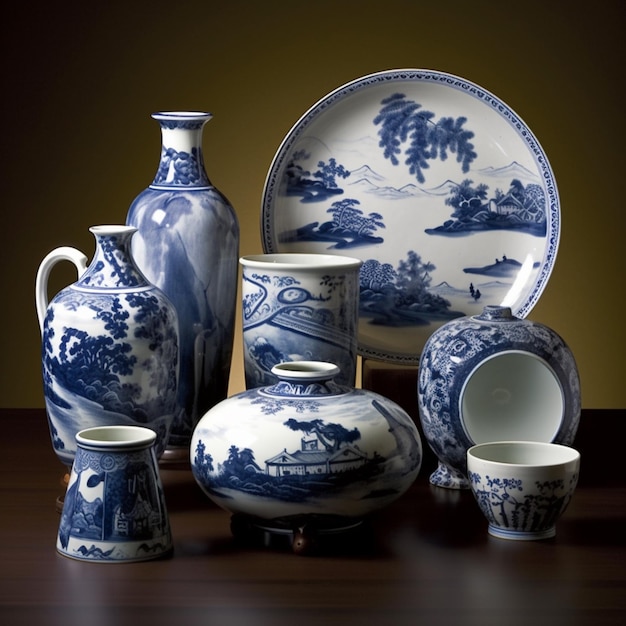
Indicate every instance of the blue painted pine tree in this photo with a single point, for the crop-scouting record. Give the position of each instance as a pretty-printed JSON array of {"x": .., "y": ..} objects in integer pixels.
[{"x": 404, "y": 121}]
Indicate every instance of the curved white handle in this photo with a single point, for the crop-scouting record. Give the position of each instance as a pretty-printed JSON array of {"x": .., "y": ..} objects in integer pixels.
[{"x": 64, "y": 253}]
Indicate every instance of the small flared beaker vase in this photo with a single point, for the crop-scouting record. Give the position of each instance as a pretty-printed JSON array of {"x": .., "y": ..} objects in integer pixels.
[{"x": 114, "y": 508}]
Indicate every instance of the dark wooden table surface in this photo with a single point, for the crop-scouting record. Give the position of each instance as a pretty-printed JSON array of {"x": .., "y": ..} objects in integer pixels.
[{"x": 426, "y": 559}]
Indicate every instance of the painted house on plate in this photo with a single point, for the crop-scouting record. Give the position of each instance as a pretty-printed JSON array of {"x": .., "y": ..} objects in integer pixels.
[
  {"x": 531, "y": 210},
  {"x": 507, "y": 205}
]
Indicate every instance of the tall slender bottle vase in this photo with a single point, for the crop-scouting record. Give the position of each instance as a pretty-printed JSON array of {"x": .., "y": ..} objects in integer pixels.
[{"x": 188, "y": 245}]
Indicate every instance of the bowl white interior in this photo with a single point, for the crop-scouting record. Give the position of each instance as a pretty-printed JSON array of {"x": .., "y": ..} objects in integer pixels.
[
  {"x": 512, "y": 395},
  {"x": 299, "y": 261},
  {"x": 522, "y": 453},
  {"x": 305, "y": 369},
  {"x": 114, "y": 436}
]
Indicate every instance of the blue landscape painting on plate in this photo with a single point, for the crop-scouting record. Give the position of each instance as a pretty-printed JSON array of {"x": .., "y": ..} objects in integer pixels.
[{"x": 435, "y": 184}]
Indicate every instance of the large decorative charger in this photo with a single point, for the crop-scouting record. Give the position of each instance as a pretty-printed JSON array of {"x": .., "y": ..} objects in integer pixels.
[{"x": 435, "y": 184}]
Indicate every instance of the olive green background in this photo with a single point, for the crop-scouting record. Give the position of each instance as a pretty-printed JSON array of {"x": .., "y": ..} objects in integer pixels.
[{"x": 80, "y": 80}]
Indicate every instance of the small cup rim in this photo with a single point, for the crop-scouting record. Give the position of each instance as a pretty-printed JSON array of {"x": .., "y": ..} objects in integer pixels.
[
  {"x": 566, "y": 454},
  {"x": 120, "y": 436},
  {"x": 299, "y": 261},
  {"x": 305, "y": 370}
]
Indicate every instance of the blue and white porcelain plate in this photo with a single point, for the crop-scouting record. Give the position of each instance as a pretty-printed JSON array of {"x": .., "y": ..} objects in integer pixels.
[{"x": 435, "y": 184}]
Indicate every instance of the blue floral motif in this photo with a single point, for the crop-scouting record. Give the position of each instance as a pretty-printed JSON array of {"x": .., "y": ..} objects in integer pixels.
[
  {"x": 112, "y": 268},
  {"x": 505, "y": 505},
  {"x": 176, "y": 123},
  {"x": 183, "y": 169},
  {"x": 451, "y": 355},
  {"x": 272, "y": 406}
]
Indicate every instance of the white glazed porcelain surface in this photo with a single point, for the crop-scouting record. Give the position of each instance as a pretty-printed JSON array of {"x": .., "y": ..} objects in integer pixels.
[
  {"x": 522, "y": 487},
  {"x": 437, "y": 185},
  {"x": 512, "y": 395}
]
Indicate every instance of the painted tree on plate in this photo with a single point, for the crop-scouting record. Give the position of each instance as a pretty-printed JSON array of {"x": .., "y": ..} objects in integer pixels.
[
  {"x": 328, "y": 172},
  {"x": 347, "y": 217},
  {"x": 404, "y": 121},
  {"x": 466, "y": 199},
  {"x": 345, "y": 214},
  {"x": 414, "y": 279},
  {"x": 375, "y": 275}
]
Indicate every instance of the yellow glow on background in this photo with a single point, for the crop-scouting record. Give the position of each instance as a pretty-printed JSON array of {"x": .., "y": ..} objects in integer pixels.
[{"x": 80, "y": 80}]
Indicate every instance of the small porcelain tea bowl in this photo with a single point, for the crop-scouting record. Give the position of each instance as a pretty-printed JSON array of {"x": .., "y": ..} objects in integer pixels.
[{"x": 522, "y": 487}]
